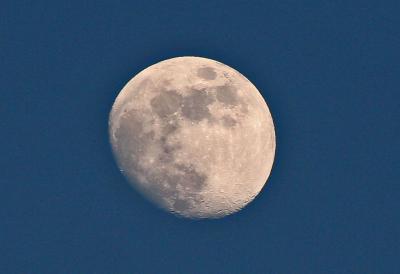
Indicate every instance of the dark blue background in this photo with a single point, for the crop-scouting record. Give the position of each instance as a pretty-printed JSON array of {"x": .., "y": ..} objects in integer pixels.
[{"x": 330, "y": 71}]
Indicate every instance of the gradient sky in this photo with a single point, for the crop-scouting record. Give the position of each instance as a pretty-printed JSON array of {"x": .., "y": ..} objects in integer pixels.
[{"x": 329, "y": 71}]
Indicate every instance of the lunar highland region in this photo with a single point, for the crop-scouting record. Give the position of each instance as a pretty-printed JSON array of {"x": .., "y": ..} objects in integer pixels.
[{"x": 194, "y": 136}]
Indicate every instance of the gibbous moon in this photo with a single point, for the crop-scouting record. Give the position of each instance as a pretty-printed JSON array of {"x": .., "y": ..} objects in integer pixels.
[{"x": 194, "y": 136}]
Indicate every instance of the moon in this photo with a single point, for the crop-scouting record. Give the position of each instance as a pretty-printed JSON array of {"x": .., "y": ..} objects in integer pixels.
[{"x": 194, "y": 136}]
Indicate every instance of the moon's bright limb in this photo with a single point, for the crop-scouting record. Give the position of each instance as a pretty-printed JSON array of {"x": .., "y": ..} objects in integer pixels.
[{"x": 193, "y": 135}]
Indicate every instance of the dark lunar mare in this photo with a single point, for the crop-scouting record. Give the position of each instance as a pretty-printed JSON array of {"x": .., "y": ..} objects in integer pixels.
[
  {"x": 165, "y": 174},
  {"x": 207, "y": 73},
  {"x": 228, "y": 121},
  {"x": 195, "y": 105},
  {"x": 166, "y": 103},
  {"x": 227, "y": 95},
  {"x": 131, "y": 140}
]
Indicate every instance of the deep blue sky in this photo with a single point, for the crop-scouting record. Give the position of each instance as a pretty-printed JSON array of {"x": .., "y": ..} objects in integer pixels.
[{"x": 330, "y": 71}]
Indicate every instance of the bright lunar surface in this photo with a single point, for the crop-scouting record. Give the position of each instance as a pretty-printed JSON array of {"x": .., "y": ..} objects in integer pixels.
[{"x": 194, "y": 136}]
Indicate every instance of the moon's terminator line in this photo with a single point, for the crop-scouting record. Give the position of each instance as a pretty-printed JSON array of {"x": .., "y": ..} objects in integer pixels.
[{"x": 193, "y": 135}]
